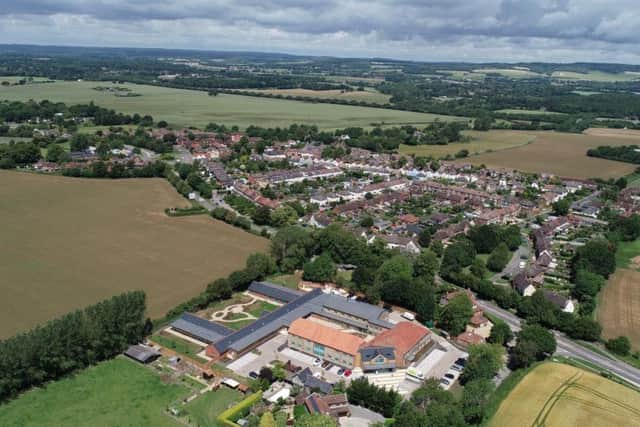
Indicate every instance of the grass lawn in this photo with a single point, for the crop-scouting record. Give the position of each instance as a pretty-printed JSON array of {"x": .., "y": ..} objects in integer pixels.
[
  {"x": 71, "y": 242},
  {"x": 179, "y": 345},
  {"x": 288, "y": 280},
  {"x": 556, "y": 394},
  {"x": 626, "y": 252},
  {"x": 205, "y": 409},
  {"x": 196, "y": 108},
  {"x": 114, "y": 393},
  {"x": 238, "y": 324},
  {"x": 256, "y": 309}
]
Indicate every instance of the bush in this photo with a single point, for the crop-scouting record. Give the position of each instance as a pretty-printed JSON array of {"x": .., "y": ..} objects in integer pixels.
[
  {"x": 231, "y": 415},
  {"x": 620, "y": 345}
]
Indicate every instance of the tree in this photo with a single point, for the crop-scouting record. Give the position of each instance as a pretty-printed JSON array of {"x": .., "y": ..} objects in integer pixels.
[
  {"x": 583, "y": 328},
  {"x": 620, "y": 345},
  {"x": 511, "y": 236},
  {"x": 499, "y": 258},
  {"x": 57, "y": 154},
  {"x": 262, "y": 265},
  {"x": 437, "y": 247},
  {"x": 483, "y": 122},
  {"x": 475, "y": 397},
  {"x": 478, "y": 268},
  {"x": 500, "y": 333},
  {"x": 366, "y": 221},
  {"x": 394, "y": 278},
  {"x": 424, "y": 300},
  {"x": 596, "y": 256},
  {"x": 283, "y": 216},
  {"x": 290, "y": 247},
  {"x": 587, "y": 284},
  {"x": 362, "y": 393},
  {"x": 321, "y": 269},
  {"x": 456, "y": 314},
  {"x": 426, "y": 265},
  {"x": 485, "y": 238},
  {"x": 561, "y": 207},
  {"x": 262, "y": 215},
  {"x": 484, "y": 362},
  {"x": 457, "y": 255},
  {"x": 424, "y": 238},
  {"x": 534, "y": 343}
]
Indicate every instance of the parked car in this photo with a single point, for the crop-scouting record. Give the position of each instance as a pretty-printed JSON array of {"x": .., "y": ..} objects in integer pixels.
[
  {"x": 461, "y": 362},
  {"x": 317, "y": 362},
  {"x": 445, "y": 381},
  {"x": 457, "y": 368},
  {"x": 340, "y": 371},
  {"x": 347, "y": 373},
  {"x": 253, "y": 374},
  {"x": 325, "y": 365},
  {"x": 449, "y": 376}
]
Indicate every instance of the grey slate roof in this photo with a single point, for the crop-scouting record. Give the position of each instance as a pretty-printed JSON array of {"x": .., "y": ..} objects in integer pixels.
[
  {"x": 277, "y": 292},
  {"x": 199, "y": 328},
  {"x": 316, "y": 302},
  {"x": 142, "y": 353},
  {"x": 306, "y": 378},
  {"x": 370, "y": 353}
]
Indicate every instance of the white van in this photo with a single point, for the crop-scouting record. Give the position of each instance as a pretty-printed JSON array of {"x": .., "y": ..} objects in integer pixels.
[{"x": 409, "y": 316}]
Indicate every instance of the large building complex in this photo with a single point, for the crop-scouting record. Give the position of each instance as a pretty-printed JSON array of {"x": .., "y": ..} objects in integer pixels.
[{"x": 330, "y": 327}]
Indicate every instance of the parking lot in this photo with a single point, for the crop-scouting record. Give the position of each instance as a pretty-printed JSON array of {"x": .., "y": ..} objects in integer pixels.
[
  {"x": 436, "y": 364},
  {"x": 276, "y": 349},
  {"x": 262, "y": 356}
]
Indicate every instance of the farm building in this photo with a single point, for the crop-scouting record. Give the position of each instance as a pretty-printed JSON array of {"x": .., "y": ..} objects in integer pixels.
[{"x": 142, "y": 353}]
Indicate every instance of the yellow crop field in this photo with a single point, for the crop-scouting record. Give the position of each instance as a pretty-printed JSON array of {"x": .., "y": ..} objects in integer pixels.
[{"x": 559, "y": 395}]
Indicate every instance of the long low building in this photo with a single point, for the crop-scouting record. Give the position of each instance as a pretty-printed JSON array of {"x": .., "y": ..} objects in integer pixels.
[
  {"x": 357, "y": 315},
  {"x": 325, "y": 342}
]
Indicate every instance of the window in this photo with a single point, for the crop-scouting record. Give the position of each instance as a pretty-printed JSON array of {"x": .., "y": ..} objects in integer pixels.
[
  {"x": 318, "y": 350},
  {"x": 379, "y": 359}
]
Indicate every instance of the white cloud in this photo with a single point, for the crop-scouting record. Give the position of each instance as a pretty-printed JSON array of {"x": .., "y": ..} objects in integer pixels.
[{"x": 478, "y": 30}]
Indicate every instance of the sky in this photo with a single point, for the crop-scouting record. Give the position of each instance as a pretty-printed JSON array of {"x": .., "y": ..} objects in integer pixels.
[{"x": 422, "y": 30}]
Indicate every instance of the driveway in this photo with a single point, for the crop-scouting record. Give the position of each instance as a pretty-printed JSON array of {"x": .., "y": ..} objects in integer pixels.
[
  {"x": 360, "y": 417},
  {"x": 523, "y": 253}
]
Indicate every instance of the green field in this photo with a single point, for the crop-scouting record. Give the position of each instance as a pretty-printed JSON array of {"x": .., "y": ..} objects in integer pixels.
[
  {"x": 480, "y": 142},
  {"x": 178, "y": 345},
  {"x": 196, "y": 108},
  {"x": 513, "y": 73},
  {"x": 370, "y": 95},
  {"x": 596, "y": 76},
  {"x": 71, "y": 242},
  {"x": 204, "y": 410},
  {"x": 8, "y": 139},
  {"x": 532, "y": 112},
  {"x": 114, "y": 393}
]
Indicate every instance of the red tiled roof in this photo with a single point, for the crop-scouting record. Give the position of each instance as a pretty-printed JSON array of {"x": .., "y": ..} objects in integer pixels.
[
  {"x": 403, "y": 337},
  {"x": 329, "y": 337}
]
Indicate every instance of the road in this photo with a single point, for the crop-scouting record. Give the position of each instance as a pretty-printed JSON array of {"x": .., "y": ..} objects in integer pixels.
[
  {"x": 523, "y": 253},
  {"x": 567, "y": 347}
]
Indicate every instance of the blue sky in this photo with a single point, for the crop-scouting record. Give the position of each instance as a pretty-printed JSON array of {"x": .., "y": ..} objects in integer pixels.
[{"x": 429, "y": 30}]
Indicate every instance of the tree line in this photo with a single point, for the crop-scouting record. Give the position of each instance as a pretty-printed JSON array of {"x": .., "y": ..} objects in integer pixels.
[
  {"x": 72, "y": 342},
  {"x": 625, "y": 153}
]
